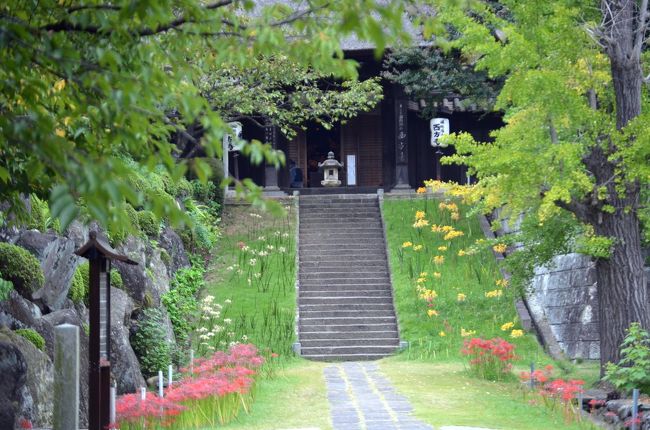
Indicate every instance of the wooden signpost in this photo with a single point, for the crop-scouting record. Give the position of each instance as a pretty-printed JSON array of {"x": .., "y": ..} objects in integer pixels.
[{"x": 99, "y": 254}]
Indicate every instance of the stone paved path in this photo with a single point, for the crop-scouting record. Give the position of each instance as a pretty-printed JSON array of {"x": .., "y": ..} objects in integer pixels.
[{"x": 362, "y": 399}]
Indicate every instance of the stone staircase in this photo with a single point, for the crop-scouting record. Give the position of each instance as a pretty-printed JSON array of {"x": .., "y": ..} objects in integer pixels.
[{"x": 345, "y": 298}]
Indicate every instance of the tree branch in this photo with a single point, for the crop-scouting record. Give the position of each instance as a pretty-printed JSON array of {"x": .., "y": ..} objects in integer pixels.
[
  {"x": 642, "y": 26},
  {"x": 93, "y": 29}
]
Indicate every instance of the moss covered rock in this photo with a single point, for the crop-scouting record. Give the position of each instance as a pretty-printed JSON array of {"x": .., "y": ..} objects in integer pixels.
[
  {"x": 149, "y": 223},
  {"x": 32, "y": 336},
  {"x": 21, "y": 268}
]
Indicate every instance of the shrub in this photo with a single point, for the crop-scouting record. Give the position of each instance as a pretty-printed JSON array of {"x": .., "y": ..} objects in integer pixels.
[
  {"x": 119, "y": 233},
  {"x": 21, "y": 268},
  {"x": 489, "y": 359},
  {"x": 32, "y": 336},
  {"x": 150, "y": 343},
  {"x": 181, "y": 302},
  {"x": 39, "y": 214},
  {"x": 149, "y": 224},
  {"x": 633, "y": 370},
  {"x": 80, "y": 289},
  {"x": 5, "y": 288}
]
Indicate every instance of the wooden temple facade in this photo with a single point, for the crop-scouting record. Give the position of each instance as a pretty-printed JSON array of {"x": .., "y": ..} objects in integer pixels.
[{"x": 388, "y": 147}]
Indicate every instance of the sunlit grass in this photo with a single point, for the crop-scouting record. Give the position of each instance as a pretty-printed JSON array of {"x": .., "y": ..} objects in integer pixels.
[
  {"x": 442, "y": 393},
  {"x": 472, "y": 275}
]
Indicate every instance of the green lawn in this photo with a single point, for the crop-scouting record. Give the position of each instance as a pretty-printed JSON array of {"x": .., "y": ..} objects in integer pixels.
[
  {"x": 442, "y": 393},
  {"x": 294, "y": 398}
]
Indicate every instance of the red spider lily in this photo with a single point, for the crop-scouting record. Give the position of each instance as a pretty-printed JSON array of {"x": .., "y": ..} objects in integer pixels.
[
  {"x": 565, "y": 390},
  {"x": 131, "y": 408},
  {"x": 539, "y": 376},
  {"x": 490, "y": 358},
  {"x": 595, "y": 404},
  {"x": 241, "y": 245},
  {"x": 25, "y": 423}
]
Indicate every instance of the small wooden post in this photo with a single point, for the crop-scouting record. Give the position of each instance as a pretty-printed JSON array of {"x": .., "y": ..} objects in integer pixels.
[{"x": 99, "y": 255}]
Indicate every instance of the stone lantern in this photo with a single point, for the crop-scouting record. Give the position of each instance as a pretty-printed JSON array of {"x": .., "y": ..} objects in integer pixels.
[{"x": 330, "y": 168}]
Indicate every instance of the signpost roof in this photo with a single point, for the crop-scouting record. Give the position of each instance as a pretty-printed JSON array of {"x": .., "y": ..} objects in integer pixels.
[{"x": 98, "y": 245}]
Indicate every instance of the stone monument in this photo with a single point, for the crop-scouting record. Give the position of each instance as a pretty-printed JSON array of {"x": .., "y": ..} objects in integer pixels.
[{"x": 330, "y": 168}]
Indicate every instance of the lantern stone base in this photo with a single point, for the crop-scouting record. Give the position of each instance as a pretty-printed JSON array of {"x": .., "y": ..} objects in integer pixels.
[{"x": 330, "y": 183}]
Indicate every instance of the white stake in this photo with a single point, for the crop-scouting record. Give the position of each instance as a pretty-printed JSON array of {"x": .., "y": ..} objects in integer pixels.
[
  {"x": 160, "y": 384},
  {"x": 191, "y": 362},
  {"x": 112, "y": 404},
  {"x": 169, "y": 376},
  {"x": 143, "y": 393}
]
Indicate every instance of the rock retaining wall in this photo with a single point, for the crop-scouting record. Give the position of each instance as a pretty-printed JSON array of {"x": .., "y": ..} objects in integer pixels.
[{"x": 564, "y": 294}]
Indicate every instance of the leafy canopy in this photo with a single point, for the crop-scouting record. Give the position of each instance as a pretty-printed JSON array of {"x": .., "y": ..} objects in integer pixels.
[
  {"x": 87, "y": 86},
  {"x": 559, "y": 108}
]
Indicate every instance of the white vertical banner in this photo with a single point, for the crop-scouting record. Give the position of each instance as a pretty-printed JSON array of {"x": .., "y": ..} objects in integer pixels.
[
  {"x": 351, "y": 163},
  {"x": 439, "y": 127},
  {"x": 229, "y": 144}
]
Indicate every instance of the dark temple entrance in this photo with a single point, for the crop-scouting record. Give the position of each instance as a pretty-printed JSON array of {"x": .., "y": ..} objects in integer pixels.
[{"x": 320, "y": 141}]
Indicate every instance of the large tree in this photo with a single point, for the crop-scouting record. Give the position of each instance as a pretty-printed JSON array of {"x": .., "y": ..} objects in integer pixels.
[
  {"x": 576, "y": 145},
  {"x": 86, "y": 85}
]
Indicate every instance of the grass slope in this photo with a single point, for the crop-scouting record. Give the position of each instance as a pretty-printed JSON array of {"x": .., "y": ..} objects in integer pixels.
[{"x": 254, "y": 268}]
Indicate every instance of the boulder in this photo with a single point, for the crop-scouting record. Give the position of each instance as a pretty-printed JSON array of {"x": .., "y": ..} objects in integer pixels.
[
  {"x": 147, "y": 281},
  {"x": 125, "y": 365},
  {"x": 17, "y": 312},
  {"x": 171, "y": 242},
  {"x": 13, "y": 369},
  {"x": 58, "y": 262},
  {"x": 36, "y": 399}
]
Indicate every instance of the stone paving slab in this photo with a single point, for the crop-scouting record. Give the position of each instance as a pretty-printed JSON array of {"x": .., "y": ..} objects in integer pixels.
[{"x": 361, "y": 398}]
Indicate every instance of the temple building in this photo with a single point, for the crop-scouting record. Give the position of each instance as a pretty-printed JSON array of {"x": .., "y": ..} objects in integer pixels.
[{"x": 388, "y": 147}]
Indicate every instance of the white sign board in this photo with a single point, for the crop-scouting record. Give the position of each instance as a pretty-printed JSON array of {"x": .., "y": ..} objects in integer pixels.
[
  {"x": 228, "y": 139},
  {"x": 351, "y": 163},
  {"x": 229, "y": 144},
  {"x": 439, "y": 127}
]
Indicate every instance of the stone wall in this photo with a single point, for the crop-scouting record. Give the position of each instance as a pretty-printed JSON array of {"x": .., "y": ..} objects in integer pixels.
[{"x": 564, "y": 295}]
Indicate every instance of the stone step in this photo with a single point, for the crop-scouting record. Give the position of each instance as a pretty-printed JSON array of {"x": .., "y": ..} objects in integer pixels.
[
  {"x": 363, "y": 274},
  {"x": 345, "y": 357},
  {"x": 329, "y": 218},
  {"x": 357, "y": 271},
  {"x": 326, "y": 201},
  {"x": 319, "y": 343},
  {"x": 346, "y": 214},
  {"x": 362, "y": 327},
  {"x": 344, "y": 306},
  {"x": 343, "y": 350},
  {"x": 341, "y": 241},
  {"x": 333, "y": 223},
  {"x": 340, "y": 233},
  {"x": 339, "y": 300},
  {"x": 306, "y": 322},
  {"x": 340, "y": 236},
  {"x": 343, "y": 313},
  {"x": 346, "y": 293},
  {"x": 305, "y": 335},
  {"x": 351, "y": 254},
  {"x": 344, "y": 264},
  {"x": 348, "y": 280},
  {"x": 352, "y": 245}
]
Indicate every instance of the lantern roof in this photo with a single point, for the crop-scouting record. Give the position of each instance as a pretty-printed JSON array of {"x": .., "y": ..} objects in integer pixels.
[
  {"x": 330, "y": 162},
  {"x": 96, "y": 245}
]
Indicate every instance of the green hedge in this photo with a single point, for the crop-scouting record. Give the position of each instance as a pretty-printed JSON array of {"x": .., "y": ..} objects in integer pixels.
[{"x": 21, "y": 268}]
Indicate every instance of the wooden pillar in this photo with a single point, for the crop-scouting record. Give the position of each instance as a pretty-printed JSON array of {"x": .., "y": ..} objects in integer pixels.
[{"x": 401, "y": 142}]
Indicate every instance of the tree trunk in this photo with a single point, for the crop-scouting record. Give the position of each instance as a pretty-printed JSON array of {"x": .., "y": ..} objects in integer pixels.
[{"x": 623, "y": 295}]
